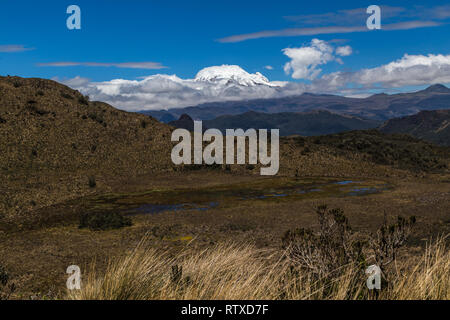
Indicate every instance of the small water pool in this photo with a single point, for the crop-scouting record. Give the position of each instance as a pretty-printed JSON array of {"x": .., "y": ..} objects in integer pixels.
[{"x": 159, "y": 208}]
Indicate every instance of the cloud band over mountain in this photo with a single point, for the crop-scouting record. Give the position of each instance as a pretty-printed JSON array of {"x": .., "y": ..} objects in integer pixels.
[{"x": 226, "y": 83}]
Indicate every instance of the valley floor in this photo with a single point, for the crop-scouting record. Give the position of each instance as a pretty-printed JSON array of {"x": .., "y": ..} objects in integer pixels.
[{"x": 202, "y": 209}]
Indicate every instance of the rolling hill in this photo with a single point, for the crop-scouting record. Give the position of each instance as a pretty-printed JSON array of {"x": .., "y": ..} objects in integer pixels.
[
  {"x": 56, "y": 144},
  {"x": 289, "y": 123},
  {"x": 306, "y": 124},
  {"x": 433, "y": 126}
]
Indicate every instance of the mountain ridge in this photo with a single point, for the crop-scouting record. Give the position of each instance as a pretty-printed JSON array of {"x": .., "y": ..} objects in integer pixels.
[
  {"x": 379, "y": 107},
  {"x": 317, "y": 122},
  {"x": 432, "y": 126}
]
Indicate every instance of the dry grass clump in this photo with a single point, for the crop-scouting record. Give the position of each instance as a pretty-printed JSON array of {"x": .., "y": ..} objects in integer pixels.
[
  {"x": 226, "y": 271},
  {"x": 425, "y": 279},
  {"x": 239, "y": 271}
]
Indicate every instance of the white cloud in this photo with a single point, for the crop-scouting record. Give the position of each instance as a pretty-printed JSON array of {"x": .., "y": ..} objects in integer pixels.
[
  {"x": 268, "y": 67},
  {"x": 342, "y": 17},
  {"x": 169, "y": 91},
  {"x": 337, "y": 22},
  {"x": 314, "y": 31},
  {"x": 220, "y": 83},
  {"x": 76, "y": 82},
  {"x": 14, "y": 48},
  {"x": 305, "y": 61},
  {"x": 344, "y": 51},
  {"x": 407, "y": 71}
]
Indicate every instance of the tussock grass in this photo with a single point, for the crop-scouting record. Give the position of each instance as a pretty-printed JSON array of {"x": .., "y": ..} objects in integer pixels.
[
  {"x": 240, "y": 271},
  {"x": 429, "y": 278}
]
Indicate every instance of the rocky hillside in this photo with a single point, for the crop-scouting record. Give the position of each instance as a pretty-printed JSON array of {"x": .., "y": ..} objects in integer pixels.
[
  {"x": 433, "y": 126},
  {"x": 56, "y": 144}
]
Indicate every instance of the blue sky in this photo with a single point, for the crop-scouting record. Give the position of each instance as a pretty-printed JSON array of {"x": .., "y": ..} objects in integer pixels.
[{"x": 186, "y": 36}]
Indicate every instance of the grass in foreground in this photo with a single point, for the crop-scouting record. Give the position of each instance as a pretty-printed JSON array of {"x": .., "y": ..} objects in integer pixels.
[{"x": 238, "y": 271}]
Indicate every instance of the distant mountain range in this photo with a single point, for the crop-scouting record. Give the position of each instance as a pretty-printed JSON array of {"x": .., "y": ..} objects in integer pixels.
[
  {"x": 433, "y": 126},
  {"x": 306, "y": 124},
  {"x": 379, "y": 107}
]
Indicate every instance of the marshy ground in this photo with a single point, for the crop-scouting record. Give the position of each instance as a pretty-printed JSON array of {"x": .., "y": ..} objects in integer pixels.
[{"x": 202, "y": 209}]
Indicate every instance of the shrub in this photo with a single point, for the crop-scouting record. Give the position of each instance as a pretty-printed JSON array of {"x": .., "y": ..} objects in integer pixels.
[
  {"x": 66, "y": 95},
  {"x": 305, "y": 151},
  {"x": 386, "y": 149},
  {"x": 92, "y": 182},
  {"x": 83, "y": 100},
  {"x": 7, "y": 288},
  {"x": 300, "y": 141},
  {"x": 389, "y": 238},
  {"x": 323, "y": 252},
  {"x": 327, "y": 251},
  {"x": 96, "y": 117},
  {"x": 35, "y": 110},
  {"x": 4, "y": 276},
  {"x": 104, "y": 221}
]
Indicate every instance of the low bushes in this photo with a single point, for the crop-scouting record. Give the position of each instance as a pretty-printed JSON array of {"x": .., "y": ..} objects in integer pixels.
[{"x": 104, "y": 221}]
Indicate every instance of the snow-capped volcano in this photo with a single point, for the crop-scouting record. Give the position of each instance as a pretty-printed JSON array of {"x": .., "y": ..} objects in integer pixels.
[
  {"x": 164, "y": 91},
  {"x": 232, "y": 74}
]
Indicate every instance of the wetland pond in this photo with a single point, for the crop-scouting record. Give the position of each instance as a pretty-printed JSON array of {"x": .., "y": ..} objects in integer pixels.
[{"x": 207, "y": 198}]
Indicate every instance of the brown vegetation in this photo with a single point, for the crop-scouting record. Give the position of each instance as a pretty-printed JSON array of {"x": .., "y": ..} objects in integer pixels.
[
  {"x": 230, "y": 271},
  {"x": 66, "y": 158}
]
